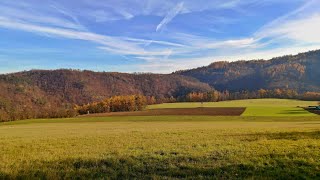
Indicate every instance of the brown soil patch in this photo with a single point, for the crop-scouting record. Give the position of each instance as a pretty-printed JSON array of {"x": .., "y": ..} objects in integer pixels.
[{"x": 178, "y": 112}]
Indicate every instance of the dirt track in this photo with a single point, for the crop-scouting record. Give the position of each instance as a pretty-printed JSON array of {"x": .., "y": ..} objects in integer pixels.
[{"x": 179, "y": 112}]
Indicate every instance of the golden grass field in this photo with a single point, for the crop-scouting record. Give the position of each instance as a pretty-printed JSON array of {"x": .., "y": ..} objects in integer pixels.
[{"x": 162, "y": 147}]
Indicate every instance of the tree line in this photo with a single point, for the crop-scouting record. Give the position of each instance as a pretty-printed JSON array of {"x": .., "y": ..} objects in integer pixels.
[
  {"x": 117, "y": 104},
  {"x": 13, "y": 114},
  {"x": 215, "y": 96}
]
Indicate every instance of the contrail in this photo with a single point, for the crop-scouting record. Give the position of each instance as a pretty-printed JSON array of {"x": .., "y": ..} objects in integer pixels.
[{"x": 172, "y": 14}]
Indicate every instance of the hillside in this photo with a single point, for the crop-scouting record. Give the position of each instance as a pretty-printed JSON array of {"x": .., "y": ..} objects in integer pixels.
[
  {"x": 38, "y": 93},
  {"x": 300, "y": 72},
  {"x": 51, "y": 93}
]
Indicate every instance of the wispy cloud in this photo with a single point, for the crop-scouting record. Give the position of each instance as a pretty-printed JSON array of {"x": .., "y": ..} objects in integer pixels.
[
  {"x": 148, "y": 42},
  {"x": 68, "y": 14},
  {"x": 110, "y": 27},
  {"x": 22, "y": 15},
  {"x": 171, "y": 65},
  {"x": 304, "y": 30},
  {"x": 111, "y": 44},
  {"x": 102, "y": 16},
  {"x": 169, "y": 17},
  {"x": 54, "y": 26},
  {"x": 300, "y": 25}
]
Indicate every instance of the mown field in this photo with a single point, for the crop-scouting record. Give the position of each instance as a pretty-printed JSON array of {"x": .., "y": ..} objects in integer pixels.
[{"x": 162, "y": 147}]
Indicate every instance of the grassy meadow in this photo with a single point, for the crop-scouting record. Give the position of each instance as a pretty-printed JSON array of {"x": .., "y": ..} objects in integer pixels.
[{"x": 164, "y": 147}]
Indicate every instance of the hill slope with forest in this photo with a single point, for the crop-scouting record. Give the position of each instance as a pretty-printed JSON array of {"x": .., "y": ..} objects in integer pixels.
[
  {"x": 52, "y": 93},
  {"x": 300, "y": 72},
  {"x": 38, "y": 93}
]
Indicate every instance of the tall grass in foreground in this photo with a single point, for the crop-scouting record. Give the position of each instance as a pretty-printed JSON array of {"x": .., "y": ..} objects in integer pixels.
[{"x": 166, "y": 148}]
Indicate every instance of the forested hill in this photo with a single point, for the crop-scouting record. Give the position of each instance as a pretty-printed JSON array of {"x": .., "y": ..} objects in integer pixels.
[
  {"x": 80, "y": 87},
  {"x": 42, "y": 93},
  {"x": 300, "y": 72}
]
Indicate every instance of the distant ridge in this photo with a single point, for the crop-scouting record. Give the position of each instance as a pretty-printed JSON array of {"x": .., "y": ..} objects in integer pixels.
[{"x": 300, "y": 72}]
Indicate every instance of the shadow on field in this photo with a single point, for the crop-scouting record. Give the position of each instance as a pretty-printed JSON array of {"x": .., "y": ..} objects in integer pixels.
[
  {"x": 284, "y": 136},
  {"x": 270, "y": 166},
  {"x": 294, "y": 135},
  {"x": 294, "y": 112},
  {"x": 313, "y": 111}
]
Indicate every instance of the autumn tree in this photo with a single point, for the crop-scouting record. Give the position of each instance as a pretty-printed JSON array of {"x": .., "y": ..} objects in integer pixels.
[{"x": 115, "y": 104}]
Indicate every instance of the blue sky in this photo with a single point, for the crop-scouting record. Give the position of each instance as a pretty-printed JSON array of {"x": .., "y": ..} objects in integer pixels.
[{"x": 157, "y": 36}]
